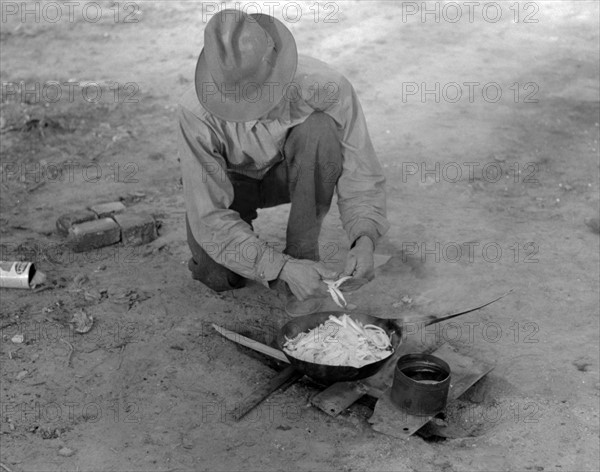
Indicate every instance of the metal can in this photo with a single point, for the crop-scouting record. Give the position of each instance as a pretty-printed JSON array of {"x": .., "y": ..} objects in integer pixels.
[
  {"x": 17, "y": 274},
  {"x": 421, "y": 384}
]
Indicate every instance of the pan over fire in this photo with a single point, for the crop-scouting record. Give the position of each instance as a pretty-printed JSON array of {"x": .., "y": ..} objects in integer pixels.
[{"x": 340, "y": 341}]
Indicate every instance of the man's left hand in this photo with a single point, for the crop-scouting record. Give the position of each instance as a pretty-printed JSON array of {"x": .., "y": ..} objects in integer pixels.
[{"x": 359, "y": 263}]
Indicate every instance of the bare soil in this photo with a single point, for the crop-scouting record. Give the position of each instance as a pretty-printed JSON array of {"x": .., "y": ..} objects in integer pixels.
[{"x": 151, "y": 386}]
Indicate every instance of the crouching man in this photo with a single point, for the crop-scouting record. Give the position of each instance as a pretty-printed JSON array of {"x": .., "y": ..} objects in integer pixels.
[{"x": 265, "y": 126}]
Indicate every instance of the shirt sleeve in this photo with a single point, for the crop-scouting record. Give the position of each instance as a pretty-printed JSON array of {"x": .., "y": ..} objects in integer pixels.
[
  {"x": 208, "y": 192},
  {"x": 360, "y": 188}
]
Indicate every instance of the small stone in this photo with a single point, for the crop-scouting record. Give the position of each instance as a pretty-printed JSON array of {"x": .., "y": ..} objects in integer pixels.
[
  {"x": 82, "y": 321},
  {"x": 93, "y": 234},
  {"x": 65, "y": 452},
  {"x": 64, "y": 223},
  {"x": 21, "y": 375},
  {"x": 107, "y": 209},
  {"x": 18, "y": 339},
  {"x": 136, "y": 228}
]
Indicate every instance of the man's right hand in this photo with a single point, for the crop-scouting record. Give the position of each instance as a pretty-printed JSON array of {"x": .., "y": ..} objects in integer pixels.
[{"x": 305, "y": 278}]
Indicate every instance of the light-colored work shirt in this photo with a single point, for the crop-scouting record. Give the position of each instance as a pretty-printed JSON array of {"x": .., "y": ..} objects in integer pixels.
[{"x": 211, "y": 148}]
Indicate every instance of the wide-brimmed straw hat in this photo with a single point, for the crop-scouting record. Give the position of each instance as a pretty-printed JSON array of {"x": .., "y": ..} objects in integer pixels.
[{"x": 246, "y": 65}]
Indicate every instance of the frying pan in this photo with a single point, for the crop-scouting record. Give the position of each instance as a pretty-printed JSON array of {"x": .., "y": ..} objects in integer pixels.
[{"x": 328, "y": 374}]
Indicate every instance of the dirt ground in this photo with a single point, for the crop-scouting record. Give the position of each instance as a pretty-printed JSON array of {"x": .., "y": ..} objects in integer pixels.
[{"x": 486, "y": 193}]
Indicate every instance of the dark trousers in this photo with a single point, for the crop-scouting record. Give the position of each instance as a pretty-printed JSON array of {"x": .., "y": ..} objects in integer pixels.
[{"x": 306, "y": 178}]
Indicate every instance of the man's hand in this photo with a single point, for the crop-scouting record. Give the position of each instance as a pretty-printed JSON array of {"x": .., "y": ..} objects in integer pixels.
[
  {"x": 305, "y": 278},
  {"x": 359, "y": 263}
]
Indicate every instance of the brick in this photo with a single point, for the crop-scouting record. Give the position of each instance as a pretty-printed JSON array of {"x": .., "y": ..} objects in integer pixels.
[
  {"x": 93, "y": 234},
  {"x": 104, "y": 210},
  {"x": 136, "y": 228},
  {"x": 64, "y": 222}
]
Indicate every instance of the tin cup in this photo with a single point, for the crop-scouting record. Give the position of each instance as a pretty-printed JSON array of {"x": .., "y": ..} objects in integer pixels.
[{"x": 421, "y": 384}]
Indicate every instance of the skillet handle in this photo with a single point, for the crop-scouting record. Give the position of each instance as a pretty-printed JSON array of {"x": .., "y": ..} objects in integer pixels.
[{"x": 447, "y": 317}]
